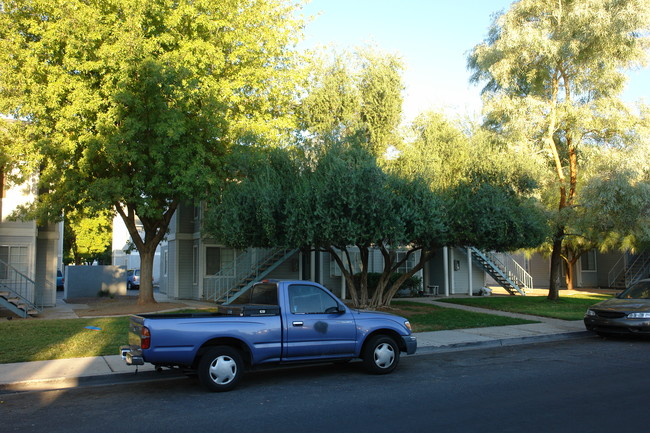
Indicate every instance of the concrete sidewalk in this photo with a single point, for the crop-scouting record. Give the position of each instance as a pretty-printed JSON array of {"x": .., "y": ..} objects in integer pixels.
[{"x": 66, "y": 373}]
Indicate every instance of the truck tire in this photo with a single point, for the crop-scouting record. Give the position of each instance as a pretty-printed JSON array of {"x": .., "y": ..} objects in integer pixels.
[
  {"x": 220, "y": 368},
  {"x": 380, "y": 354}
]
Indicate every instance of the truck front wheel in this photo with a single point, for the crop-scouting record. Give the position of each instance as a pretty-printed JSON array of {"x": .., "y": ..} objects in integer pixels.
[
  {"x": 380, "y": 354},
  {"x": 220, "y": 368}
]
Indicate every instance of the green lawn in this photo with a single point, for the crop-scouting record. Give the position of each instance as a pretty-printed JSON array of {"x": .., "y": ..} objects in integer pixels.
[
  {"x": 426, "y": 317},
  {"x": 571, "y": 307},
  {"x": 37, "y": 340}
]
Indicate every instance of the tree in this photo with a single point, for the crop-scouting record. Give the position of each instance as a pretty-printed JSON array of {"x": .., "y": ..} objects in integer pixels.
[
  {"x": 132, "y": 104},
  {"x": 338, "y": 200},
  {"x": 613, "y": 210},
  {"x": 489, "y": 190},
  {"x": 357, "y": 206},
  {"x": 354, "y": 95},
  {"x": 552, "y": 72},
  {"x": 87, "y": 237}
]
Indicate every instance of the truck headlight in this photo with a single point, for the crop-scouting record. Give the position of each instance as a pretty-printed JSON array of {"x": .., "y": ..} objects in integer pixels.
[{"x": 408, "y": 325}]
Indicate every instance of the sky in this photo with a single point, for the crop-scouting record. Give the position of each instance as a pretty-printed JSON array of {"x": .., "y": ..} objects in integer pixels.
[{"x": 433, "y": 39}]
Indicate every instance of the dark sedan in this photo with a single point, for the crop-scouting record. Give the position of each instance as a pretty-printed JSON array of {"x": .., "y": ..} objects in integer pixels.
[{"x": 628, "y": 312}]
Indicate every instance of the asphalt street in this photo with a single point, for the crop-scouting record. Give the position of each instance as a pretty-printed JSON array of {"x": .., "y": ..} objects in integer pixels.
[{"x": 587, "y": 385}]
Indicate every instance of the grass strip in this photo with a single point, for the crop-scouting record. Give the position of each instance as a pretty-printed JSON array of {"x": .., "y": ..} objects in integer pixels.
[
  {"x": 566, "y": 308},
  {"x": 426, "y": 317},
  {"x": 39, "y": 340}
]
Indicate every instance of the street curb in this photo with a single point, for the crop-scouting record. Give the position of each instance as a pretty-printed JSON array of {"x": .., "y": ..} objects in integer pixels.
[
  {"x": 503, "y": 342},
  {"x": 85, "y": 381}
]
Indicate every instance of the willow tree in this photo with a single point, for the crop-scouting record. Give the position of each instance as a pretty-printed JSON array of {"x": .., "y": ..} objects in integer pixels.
[
  {"x": 613, "y": 209},
  {"x": 553, "y": 72},
  {"x": 131, "y": 104}
]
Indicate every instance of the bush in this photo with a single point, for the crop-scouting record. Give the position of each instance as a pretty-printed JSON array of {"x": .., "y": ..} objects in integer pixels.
[{"x": 410, "y": 287}]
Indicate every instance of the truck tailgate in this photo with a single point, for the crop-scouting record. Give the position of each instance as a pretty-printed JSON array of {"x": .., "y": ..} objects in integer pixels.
[{"x": 135, "y": 331}]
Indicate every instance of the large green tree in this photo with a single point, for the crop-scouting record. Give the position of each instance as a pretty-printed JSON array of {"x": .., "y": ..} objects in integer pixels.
[
  {"x": 553, "y": 70},
  {"x": 131, "y": 104},
  {"x": 336, "y": 199}
]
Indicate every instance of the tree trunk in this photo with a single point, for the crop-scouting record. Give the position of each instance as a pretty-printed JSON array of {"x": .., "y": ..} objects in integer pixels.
[
  {"x": 145, "y": 296},
  {"x": 154, "y": 231},
  {"x": 570, "y": 273},
  {"x": 556, "y": 266},
  {"x": 364, "y": 254},
  {"x": 569, "y": 276}
]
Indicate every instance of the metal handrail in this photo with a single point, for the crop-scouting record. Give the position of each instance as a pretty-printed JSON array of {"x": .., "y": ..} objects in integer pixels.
[
  {"x": 514, "y": 270},
  {"x": 643, "y": 262},
  {"x": 21, "y": 286},
  {"x": 247, "y": 265},
  {"x": 616, "y": 271}
]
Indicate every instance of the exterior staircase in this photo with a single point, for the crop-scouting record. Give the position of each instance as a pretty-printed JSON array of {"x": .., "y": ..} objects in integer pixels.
[
  {"x": 638, "y": 270},
  {"x": 247, "y": 269},
  {"x": 629, "y": 269},
  {"x": 17, "y": 292},
  {"x": 505, "y": 271}
]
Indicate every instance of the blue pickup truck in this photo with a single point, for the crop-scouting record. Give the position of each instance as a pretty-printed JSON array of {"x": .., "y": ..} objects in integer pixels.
[{"x": 275, "y": 322}]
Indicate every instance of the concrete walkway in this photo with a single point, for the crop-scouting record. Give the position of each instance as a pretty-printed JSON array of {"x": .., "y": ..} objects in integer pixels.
[{"x": 65, "y": 373}]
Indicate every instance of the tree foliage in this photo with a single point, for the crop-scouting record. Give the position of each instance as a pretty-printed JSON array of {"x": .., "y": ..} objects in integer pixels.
[
  {"x": 132, "y": 104},
  {"x": 354, "y": 95},
  {"x": 339, "y": 201},
  {"x": 488, "y": 189},
  {"x": 552, "y": 73},
  {"x": 87, "y": 237}
]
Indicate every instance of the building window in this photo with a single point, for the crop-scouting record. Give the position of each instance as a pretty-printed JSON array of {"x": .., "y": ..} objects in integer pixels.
[
  {"x": 355, "y": 258},
  {"x": 212, "y": 260},
  {"x": 408, "y": 264},
  {"x": 14, "y": 256},
  {"x": 588, "y": 261}
]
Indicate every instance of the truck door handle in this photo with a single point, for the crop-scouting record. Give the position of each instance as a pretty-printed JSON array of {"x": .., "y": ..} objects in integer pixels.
[{"x": 297, "y": 323}]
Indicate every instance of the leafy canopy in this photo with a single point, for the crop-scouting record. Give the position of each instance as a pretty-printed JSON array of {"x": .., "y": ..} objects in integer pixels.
[{"x": 132, "y": 104}]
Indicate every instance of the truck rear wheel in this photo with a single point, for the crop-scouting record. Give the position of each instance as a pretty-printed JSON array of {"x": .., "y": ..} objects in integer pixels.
[
  {"x": 380, "y": 354},
  {"x": 220, "y": 368}
]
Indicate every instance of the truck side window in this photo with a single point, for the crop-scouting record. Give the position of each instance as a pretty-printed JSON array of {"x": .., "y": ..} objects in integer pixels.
[{"x": 309, "y": 300}]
